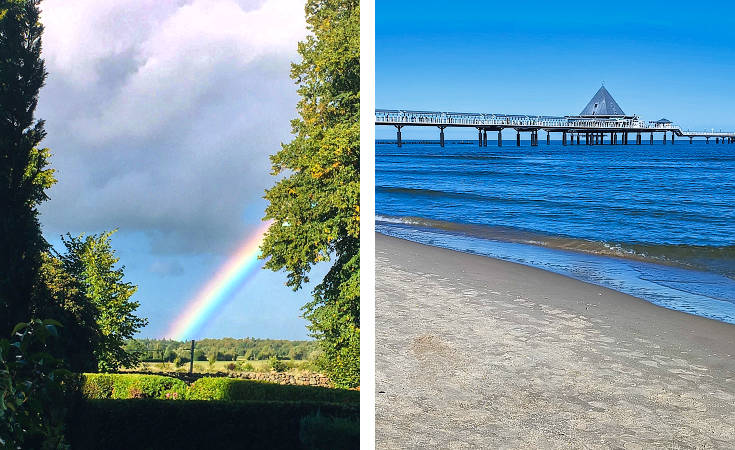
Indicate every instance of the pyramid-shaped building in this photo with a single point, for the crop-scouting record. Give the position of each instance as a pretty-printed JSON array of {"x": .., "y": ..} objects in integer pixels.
[{"x": 602, "y": 105}]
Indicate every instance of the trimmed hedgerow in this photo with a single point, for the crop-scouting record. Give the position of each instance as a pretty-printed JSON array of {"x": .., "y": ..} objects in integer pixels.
[
  {"x": 318, "y": 431},
  {"x": 125, "y": 386},
  {"x": 231, "y": 389},
  {"x": 150, "y": 424}
]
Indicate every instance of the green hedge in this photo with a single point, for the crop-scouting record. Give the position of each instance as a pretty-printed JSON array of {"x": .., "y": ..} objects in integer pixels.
[
  {"x": 124, "y": 386},
  {"x": 129, "y": 386},
  {"x": 151, "y": 424},
  {"x": 233, "y": 389}
]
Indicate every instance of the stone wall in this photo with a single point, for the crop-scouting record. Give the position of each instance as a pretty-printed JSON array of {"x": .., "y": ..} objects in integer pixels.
[{"x": 301, "y": 378}]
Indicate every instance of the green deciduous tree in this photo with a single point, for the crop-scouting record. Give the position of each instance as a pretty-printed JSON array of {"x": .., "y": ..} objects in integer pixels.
[
  {"x": 24, "y": 175},
  {"x": 63, "y": 286},
  {"x": 315, "y": 206},
  {"x": 103, "y": 283}
]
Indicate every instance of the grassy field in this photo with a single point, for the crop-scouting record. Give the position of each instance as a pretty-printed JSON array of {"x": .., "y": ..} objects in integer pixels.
[{"x": 221, "y": 366}]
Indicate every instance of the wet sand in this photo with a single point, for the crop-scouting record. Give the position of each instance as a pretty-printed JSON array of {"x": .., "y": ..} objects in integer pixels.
[{"x": 477, "y": 352}]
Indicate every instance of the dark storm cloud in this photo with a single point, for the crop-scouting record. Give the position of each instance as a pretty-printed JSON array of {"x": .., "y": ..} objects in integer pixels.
[{"x": 161, "y": 115}]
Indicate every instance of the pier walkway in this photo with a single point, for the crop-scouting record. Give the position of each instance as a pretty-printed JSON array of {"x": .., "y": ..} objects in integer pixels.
[{"x": 601, "y": 119}]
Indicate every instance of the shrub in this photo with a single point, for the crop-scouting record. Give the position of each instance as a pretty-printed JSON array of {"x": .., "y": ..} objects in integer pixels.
[
  {"x": 35, "y": 390},
  {"x": 231, "y": 366},
  {"x": 124, "y": 386},
  {"x": 318, "y": 431},
  {"x": 278, "y": 365},
  {"x": 237, "y": 390},
  {"x": 126, "y": 424}
]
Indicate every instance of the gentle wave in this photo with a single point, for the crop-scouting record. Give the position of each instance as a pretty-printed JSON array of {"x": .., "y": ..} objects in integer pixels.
[
  {"x": 552, "y": 205},
  {"x": 717, "y": 259}
]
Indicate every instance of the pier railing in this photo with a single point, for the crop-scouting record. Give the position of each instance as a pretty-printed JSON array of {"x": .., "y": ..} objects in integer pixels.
[{"x": 524, "y": 122}]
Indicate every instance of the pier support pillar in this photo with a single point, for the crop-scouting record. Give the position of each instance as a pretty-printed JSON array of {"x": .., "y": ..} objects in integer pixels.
[
  {"x": 518, "y": 138},
  {"x": 548, "y": 138},
  {"x": 571, "y": 138},
  {"x": 563, "y": 138},
  {"x": 672, "y": 138},
  {"x": 577, "y": 138},
  {"x": 638, "y": 139},
  {"x": 708, "y": 139},
  {"x": 441, "y": 136},
  {"x": 484, "y": 138},
  {"x": 717, "y": 140},
  {"x": 625, "y": 138},
  {"x": 651, "y": 138},
  {"x": 500, "y": 138},
  {"x": 602, "y": 138},
  {"x": 398, "y": 136},
  {"x": 690, "y": 139},
  {"x": 479, "y": 137}
]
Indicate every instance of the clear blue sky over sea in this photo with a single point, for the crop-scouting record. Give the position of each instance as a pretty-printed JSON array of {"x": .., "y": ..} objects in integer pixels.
[{"x": 658, "y": 59}]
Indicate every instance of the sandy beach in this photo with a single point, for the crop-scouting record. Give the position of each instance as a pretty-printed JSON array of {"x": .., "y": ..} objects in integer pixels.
[{"x": 477, "y": 352}]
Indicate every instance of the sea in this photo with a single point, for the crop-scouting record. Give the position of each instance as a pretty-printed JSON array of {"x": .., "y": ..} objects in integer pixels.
[{"x": 653, "y": 221}]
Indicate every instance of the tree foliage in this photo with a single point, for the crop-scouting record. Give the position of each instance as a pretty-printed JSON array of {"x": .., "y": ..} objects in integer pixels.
[
  {"x": 34, "y": 387},
  {"x": 315, "y": 206},
  {"x": 24, "y": 175},
  {"x": 63, "y": 283},
  {"x": 91, "y": 260}
]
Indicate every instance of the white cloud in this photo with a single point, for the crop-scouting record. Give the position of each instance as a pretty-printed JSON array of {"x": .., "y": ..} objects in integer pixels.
[{"x": 161, "y": 114}]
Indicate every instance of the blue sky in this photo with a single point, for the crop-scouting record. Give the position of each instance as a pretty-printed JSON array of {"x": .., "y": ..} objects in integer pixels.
[
  {"x": 161, "y": 116},
  {"x": 672, "y": 59}
]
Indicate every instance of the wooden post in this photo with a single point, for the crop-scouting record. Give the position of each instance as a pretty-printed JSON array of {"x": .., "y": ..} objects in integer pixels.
[{"x": 191, "y": 360}]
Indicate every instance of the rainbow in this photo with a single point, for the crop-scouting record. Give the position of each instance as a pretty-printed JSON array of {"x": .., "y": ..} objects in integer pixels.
[{"x": 240, "y": 267}]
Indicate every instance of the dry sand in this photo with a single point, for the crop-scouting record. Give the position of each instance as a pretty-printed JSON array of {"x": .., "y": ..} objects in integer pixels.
[{"x": 476, "y": 352}]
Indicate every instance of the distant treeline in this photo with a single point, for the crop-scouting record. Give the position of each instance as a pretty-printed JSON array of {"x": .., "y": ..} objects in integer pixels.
[{"x": 225, "y": 349}]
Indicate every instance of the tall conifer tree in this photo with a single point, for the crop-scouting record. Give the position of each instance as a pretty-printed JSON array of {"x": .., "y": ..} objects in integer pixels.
[{"x": 24, "y": 175}]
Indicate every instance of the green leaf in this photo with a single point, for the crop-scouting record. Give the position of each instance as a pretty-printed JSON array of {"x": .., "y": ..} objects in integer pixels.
[
  {"x": 52, "y": 329},
  {"x": 53, "y": 322},
  {"x": 18, "y": 327}
]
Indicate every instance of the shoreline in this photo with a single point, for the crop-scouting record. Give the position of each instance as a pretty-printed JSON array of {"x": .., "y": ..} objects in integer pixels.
[
  {"x": 472, "y": 351},
  {"x": 691, "y": 290}
]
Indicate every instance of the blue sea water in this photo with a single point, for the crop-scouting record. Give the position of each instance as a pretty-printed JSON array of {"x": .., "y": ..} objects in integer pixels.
[{"x": 654, "y": 221}]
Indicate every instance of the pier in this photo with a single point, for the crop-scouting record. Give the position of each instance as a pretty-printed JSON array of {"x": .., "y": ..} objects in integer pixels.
[{"x": 602, "y": 121}]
